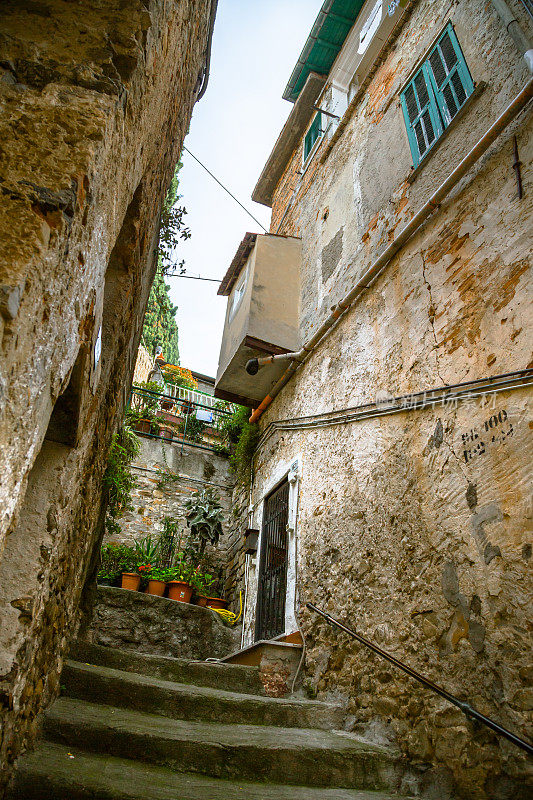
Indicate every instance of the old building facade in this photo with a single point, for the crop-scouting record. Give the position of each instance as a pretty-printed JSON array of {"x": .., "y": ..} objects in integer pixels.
[
  {"x": 96, "y": 99},
  {"x": 392, "y": 480}
]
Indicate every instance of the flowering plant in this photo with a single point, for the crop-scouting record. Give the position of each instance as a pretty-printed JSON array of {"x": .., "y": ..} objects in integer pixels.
[
  {"x": 179, "y": 376},
  {"x": 203, "y": 582},
  {"x": 144, "y": 569}
]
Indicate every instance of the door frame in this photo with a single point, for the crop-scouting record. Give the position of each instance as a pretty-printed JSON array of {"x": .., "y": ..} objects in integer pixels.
[{"x": 291, "y": 472}]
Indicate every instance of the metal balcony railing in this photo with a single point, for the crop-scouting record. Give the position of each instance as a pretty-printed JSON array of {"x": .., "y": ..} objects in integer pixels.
[
  {"x": 192, "y": 395},
  {"x": 178, "y": 417}
]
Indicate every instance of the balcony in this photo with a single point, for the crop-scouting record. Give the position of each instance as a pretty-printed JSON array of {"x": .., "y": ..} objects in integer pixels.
[
  {"x": 179, "y": 415},
  {"x": 262, "y": 285}
]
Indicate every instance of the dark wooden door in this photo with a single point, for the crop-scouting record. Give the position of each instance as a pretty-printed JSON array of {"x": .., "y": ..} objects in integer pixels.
[{"x": 272, "y": 585}]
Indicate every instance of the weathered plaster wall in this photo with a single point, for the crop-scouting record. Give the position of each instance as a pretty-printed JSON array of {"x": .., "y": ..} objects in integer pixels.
[
  {"x": 415, "y": 527},
  {"x": 95, "y": 102},
  {"x": 153, "y": 499}
]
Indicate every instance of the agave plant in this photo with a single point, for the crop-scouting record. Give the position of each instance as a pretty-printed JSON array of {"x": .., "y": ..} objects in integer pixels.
[
  {"x": 204, "y": 517},
  {"x": 147, "y": 551}
]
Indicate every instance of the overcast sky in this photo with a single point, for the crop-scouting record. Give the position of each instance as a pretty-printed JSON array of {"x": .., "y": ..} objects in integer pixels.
[{"x": 233, "y": 130}]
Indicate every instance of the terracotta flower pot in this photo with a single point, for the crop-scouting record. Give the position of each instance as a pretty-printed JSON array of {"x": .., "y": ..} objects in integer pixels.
[
  {"x": 216, "y": 602},
  {"x": 180, "y": 591},
  {"x": 156, "y": 587},
  {"x": 143, "y": 426},
  {"x": 130, "y": 580},
  {"x": 201, "y": 600},
  {"x": 166, "y": 433}
]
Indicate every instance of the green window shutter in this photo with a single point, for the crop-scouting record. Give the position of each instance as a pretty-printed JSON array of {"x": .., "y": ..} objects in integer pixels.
[
  {"x": 314, "y": 132},
  {"x": 421, "y": 113},
  {"x": 449, "y": 75}
]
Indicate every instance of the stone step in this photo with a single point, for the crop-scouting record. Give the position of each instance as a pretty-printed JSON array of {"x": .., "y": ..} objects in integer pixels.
[
  {"x": 55, "y": 772},
  {"x": 114, "y": 687},
  {"x": 245, "y": 752},
  {"x": 200, "y": 673}
]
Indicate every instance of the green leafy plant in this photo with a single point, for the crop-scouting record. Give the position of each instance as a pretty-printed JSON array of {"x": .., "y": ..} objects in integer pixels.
[
  {"x": 114, "y": 560},
  {"x": 204, "y": 517},
  {"x": 160, "y": 574},
  {"x": 147, "y": 550},
  {"x": 192, "y": 428},
  {"x": 118, "y": 478},
  {"x": 204, "y": 583},
  {"x": 182, "y": 570}
]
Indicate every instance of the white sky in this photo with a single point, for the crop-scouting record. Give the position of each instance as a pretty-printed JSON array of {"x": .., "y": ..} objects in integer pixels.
[{"x": 233, "y": 129}]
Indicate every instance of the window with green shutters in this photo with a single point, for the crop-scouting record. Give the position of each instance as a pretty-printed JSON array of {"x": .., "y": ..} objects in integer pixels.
[
  {"x": 436, "y": 93},
  {"x": 314, "y": 133}
]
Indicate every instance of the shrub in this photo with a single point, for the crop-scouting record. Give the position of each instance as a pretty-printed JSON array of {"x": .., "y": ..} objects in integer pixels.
[{"x": 114, "y": 560}]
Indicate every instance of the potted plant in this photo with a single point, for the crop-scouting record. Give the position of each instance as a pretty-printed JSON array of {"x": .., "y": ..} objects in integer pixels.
[
  {"x": 143, "y": 425},
  {"x": 144, "y": 571},
  {"x": 157, "y": 581},
  {"x": 165, "y": 432},
  {"x": 131, "y": 580},
  {"x": 114, "y": 559},
  {"x": 167, "y": 404},
  {"x": 213, "y": 600},
  {"x": 202, "y": 582},
  {"x": 179, "y": 585}
]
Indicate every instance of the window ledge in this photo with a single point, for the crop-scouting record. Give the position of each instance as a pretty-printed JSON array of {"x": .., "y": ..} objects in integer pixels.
[{"x": 479, "y": 88}]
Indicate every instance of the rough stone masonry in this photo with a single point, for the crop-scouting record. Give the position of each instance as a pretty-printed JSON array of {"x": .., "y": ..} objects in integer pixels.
[
  {"x": 95, "y": 100},
  {"x": 414, "y": 527}
]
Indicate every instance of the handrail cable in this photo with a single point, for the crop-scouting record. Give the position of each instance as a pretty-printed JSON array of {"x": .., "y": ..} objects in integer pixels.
[{"x": 464, "y": 707}]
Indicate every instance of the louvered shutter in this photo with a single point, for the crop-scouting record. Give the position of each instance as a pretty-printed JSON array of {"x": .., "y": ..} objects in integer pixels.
[
  {"x": 421, "y": 114},
  {"x": 314, "y": 132},
  {"x": 449, "y": 74}
]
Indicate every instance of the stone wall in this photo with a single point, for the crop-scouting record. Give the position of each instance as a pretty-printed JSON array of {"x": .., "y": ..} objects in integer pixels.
[
  {"x": 95, "y": 102},
  {"x": 156, "y": 497},
  {"x": 413, "y": 526},
  {"x": 143, "y": 365},
  {"x": 157, "y": 626}
]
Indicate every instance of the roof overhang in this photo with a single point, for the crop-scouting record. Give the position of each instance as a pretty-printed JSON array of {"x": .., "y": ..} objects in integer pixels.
[
  {"x": 331, "y": 27},
  {"x": 239, "y": 260},
  {"x": 288, "y": 140}
]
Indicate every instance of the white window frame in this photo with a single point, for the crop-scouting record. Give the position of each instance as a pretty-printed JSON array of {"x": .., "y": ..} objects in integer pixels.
[{"x": 238, "y": 293}]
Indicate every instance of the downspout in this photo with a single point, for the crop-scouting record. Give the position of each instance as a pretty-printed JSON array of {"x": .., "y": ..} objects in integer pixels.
[
  {"x": 298, "y": 357},
  {"x": 515, "y": 31},
  {"x": 205, "y": 76}
]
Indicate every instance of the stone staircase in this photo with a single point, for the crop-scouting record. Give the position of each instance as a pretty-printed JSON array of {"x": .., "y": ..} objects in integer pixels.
[{"x": 131, "y": 727}]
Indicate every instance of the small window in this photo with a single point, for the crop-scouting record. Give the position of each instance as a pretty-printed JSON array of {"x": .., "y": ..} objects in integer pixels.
[
  {"x": 313, "y": 134},
  {"x": 238, "y": 293},
  {"x": 436, "y": 93}
]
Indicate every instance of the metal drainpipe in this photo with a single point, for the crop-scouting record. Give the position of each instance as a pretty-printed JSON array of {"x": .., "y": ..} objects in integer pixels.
[
  {"x": 515, "y": 31},
  {"x": 299, "y": 356},
  {"x": 205, "y": 77}
]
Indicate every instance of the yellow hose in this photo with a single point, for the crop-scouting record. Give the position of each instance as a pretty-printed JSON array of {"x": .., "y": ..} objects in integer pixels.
[{"x": 229, "y": 616}]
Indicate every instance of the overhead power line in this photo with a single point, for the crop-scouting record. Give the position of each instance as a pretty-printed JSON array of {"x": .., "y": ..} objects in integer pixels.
[
  {"x": 190, "y": 277},
  {"x": 226, "y": 190}
]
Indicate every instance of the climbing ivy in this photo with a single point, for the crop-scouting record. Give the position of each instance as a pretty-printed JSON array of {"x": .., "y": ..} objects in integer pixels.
[
  {"x": 119, "y": 479},
  {"x": 240, "y": 440}
]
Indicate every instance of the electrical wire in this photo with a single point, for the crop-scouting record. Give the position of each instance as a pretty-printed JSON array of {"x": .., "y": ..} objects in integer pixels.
[
  {"x": 226, "y": 190},
  {"x": 190, "y": 277},
  {"x": 445, "y": 394}
]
